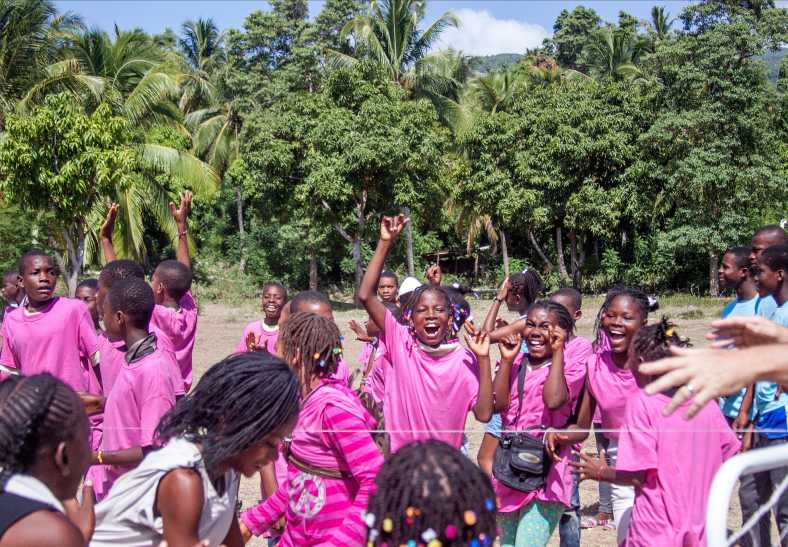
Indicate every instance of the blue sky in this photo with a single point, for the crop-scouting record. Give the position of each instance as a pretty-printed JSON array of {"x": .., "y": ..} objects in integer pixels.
[{"x": 486, "y": 26}]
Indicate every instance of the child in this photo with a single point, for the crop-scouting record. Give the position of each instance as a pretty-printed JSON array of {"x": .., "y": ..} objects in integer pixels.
[
  {"x": 43, "y": 455},
  {"x": 264, "y": 333},
  {"x": 86, "y": 291},
  {"x": 144, "y": 389},
  {"x": 187, "y": 490},
  {"x": 762, "y": 239},
  {"x": 49, "y": 334},
  {"x": 12, "y": 292},
  {"x": 373, "y": 360},
  {"x": 429, "y": 494},
  {"x": 405, "y": 291},
  {"x": 175, "y": 315},
  {"x": 433, "y": 381},
  {"x": 387, "y": 287},
  {"x": 610, "y": 384},
  {"x": 332, "y": 458},
  {"x": 551, "y": 386},
  {"x": 669, "y": 460}
]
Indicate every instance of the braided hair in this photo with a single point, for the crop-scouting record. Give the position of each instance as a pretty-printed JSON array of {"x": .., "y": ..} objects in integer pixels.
[
  {"x": 653, "y": 342},
  {"x": 313, "y": 342},
  {"x": 565, "y": 319},
  {"x": 459, "y": 309},
  {"x": 428, "y": 491},
  {"x": 644, "y": 302},
  {"x": 527, "y": 285},
  {"x": 235, "y": 405},
  {"x": 35, "y": 412}
]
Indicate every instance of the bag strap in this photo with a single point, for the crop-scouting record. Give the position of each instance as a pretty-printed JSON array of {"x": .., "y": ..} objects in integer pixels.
[{"x": 520, "y": 389}]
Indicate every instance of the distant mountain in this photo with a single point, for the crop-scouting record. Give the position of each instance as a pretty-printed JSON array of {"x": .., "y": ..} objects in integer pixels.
[
  {"x": 491, "y": 63},
  {"x": 773, "y": 60}
]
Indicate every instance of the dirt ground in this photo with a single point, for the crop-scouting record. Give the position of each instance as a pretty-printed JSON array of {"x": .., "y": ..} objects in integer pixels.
[{"x": 220, "y": 328}]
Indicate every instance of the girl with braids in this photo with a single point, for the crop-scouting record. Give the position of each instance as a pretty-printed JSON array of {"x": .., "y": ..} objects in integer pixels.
[
  {"x": 230, "y": 424},
  {"x": 551, "y": 386},
  {"x": 610, "y": 385},
  {"x": 429, "y": 494},
  {"x": 433, "y": 381},
  {"x": 263, "y": 333},
  {"x": 44, "y": 453},
  {"x": 332, "y": 458},
  {"x": 671, "y": 461}
]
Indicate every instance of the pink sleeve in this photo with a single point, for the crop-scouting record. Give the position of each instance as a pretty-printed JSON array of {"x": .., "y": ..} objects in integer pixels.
[
  {"x": 637, "y": 443},
  {"x": 159, "y": 399},
  {"x": 263, "y": 515},
  {"x": 363, "y": 459},
  {"x": 393, "y": 336},
  {"x": 188, "y": 302},
  {"x": 7, "y": 356},
  {"x": 241, "y": 347},
  {"x": 86, "y": 333}
]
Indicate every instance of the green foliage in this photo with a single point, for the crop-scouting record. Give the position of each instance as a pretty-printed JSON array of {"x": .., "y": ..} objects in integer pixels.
[{"x": 494, "y": 63}]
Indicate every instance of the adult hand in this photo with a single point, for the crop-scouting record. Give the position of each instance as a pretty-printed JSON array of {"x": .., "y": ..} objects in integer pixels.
[
  {"x": 744, "y": 332},
  {"x": 553, "y": 441}
]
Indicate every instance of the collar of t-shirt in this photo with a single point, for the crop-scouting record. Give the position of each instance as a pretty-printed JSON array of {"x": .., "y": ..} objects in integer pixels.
[
  {"x": 268, "y": 328},
  {"x": 141, "y": 348},
  {"x": 30, "y": 487},
  {"x": 440, "y": 351}
]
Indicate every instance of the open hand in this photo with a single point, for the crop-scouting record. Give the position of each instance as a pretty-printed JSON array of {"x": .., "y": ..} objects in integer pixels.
[
  {"x": 82, "y": 514},
  {"x": 435, "y": 274},
  {"x": 510, "y": 347},
  {"x": 744, "y": 332},
  {"x": 391, "y": 227},
  {"x": 478, "y": 340},
  {"x": 252, "y": 342},
  {"x": 355, "y": 327},
  {"x": 590, "y": 467},
  {"x": 557, "y": 338},
  {"x": 109, "y": 222},
  {"x": 181, "y": 213}
]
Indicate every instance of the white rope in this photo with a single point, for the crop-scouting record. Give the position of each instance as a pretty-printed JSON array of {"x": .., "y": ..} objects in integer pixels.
[{"x": 762, "y": 510}]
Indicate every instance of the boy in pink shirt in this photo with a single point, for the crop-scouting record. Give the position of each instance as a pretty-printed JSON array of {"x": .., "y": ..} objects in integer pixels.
[
  {"x": 50, "y": 333},
  {"x": 143, "y": 391},
  {"x": 263, "y": 333},
  {"x": 433, "y": 381},
  {"x": 669, "y": 460}
]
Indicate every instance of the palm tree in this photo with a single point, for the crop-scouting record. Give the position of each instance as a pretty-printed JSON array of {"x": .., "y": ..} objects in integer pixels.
[
  {"x": 202, "y": 46},
  {"x": 441, "y": 77},
  {"x": 661, "y": 22},
  {"x": 471, "y": 225},
  {"x": 615, "y": 54}
]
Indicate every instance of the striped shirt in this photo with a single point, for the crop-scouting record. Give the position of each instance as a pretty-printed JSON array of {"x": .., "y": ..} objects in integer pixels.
[{"x": 318, "y": 510}]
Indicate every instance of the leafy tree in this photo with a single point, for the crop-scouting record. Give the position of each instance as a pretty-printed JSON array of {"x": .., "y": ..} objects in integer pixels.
[
  {"x": 202, "y": 46},
  {"x": 614, "y": 53},
  {"x": 661, "y": 23},
  {"x": 572, "y": 33}
]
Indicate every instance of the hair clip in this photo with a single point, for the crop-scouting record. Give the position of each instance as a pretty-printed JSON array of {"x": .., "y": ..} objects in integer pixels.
[
  {"x": 428, "y": 535},
  {"x": 410, "y": 512},
  {"x": 451, "y": 532},
  {"x": 469, "y": 517}
]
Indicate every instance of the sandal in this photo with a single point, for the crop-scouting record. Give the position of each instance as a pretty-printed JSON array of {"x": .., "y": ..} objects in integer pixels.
[{"x": 600, "y": 519}]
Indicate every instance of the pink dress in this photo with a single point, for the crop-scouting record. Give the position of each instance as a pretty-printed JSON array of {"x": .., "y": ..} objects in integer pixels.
[
  {"x": 267, "y": 338},
  {"x": 176, "y": 330},
  {"x": 680, "y": 458},
  {"x": 319, "y": 510},
  {"x": 426, "y": 397},
  {"x": 534, "y": 413},
  {"x": 612, "y": 388}
]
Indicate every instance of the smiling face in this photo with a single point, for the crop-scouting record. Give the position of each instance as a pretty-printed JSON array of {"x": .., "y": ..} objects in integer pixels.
[
  {"x": 431, "y": 318},
  {"x": 39, "y": 278},
  {"x": 251, "y": 460},
  {"x": 622, "y": 319},
  {"x": 537, "y": 333},
  {"x": 387, "y": 289},
  {"x": 729, "y": 274},
  {"x": 273, "y": 300}
]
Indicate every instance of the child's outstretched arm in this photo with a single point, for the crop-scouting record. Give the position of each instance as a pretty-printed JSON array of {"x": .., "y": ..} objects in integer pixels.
[
  {"x": 105, "y": 234},
  {"x": 390, "y": 228},
  {"x": 595, "y": 468},
  {"x": 585, "y": 414},
  {"x": 479, "y": 342},
  {"x": 181, "y": 216},
  {"x": 492, "y": 314}
]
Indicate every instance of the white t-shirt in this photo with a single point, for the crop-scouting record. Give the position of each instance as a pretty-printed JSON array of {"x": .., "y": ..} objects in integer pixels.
[{"x": 127, "y": 516}]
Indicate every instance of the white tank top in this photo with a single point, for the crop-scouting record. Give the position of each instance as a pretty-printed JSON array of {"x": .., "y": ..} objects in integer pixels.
[{"x": 127, "y": 516}]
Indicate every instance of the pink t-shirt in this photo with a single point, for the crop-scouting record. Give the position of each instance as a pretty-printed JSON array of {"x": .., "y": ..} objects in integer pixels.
[
  {"x": 60, "y": 340},
  {"x": 426, "y": 397},
  {"x": 178, "y": 329},
  {"x": 375, "y": 382},
  {"x": 267, "y": 338},
  {"x": 612, "y": 388},
  {"x": 680, "y": 458},
  {"x": 142, "y": 394},
  {"x": 534, "y": 413}
]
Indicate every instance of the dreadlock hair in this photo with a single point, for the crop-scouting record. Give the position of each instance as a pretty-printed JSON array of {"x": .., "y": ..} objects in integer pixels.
[
  {"x": 32, "y": 253},
  {"x": 459, "y": 308},
  {"x": 565, "y": 319},
  {"x": 316, "y": 297},
  {"x": 645, "y": 304},
  {"x": 653, "y": 342},
  {"x": 237, "y": 402},
  {"x": 741, "y": 256},
  {"x": 176, "y": 278},
  {"x": 89, "y": 283},
  {"x": 133, "y": 297},
  {"x": 527, "y": 285},
  {"x": 313, "y": 342},
  {"x": 278, "y": 285},
  {"x": 35, "y": 412},
  {"x": 776, "y": 257},
  {"x": 119, "y": 269},
  {"x": 429, "y": 491}
]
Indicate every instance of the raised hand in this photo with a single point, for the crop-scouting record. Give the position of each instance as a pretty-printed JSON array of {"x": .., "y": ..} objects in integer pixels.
[
  {"x": 510, "y": 347},
  {"x": 109, "y": 222},
  {"x": 181, "y": 213},
  {"x": 504, "y": 290},
  {"x": 355, "y": 327},
  {"x": 478, "y": 340},
  {"x": 434, "y": 274},
  {"x": 391, "y": 227},
  {"x": 252, "y": 342},
  {"x": 557, "y": 338},
  {"x": 82, "y": 514}
]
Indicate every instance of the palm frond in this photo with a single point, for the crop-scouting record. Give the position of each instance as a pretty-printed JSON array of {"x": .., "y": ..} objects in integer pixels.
[{"x": 169, "y": 161}]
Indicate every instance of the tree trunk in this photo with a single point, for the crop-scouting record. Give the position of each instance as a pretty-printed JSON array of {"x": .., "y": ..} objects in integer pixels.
[
  {"x": 504, "y": 253},
  {"x": 361, "y": 222},
  {"x": 714, "y": 286},
  {"x": 75, "y": 251},
  {"x": 559, "y": 248},
  {"x": 576, "y": 261},
  {"x": 239, "y": 210},
  {"x": 475, "y": 267},
  {"x": 312, "y": 270},
  {"x": 409, "y": 243},
  {"x": 540, "y": 252}
]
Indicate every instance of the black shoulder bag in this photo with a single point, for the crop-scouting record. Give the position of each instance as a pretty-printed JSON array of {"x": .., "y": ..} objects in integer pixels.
[{"x": 521, "y": 461}]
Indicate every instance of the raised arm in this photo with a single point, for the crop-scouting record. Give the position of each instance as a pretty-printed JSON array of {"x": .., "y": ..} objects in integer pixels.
[
  {"x": 555, "y": 392},
  {"x": 479, "y": 342},
  {"x": 105, "y": 234},
  {"x": 390, "y": 228},
  {"x": 509, "y": 348},
  {"x": 492, "y": 314},
  {"x": 181, "y": 217}
]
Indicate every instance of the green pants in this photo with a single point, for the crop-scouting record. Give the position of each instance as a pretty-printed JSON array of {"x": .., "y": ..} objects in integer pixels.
[{"x": 531, "y": 526}]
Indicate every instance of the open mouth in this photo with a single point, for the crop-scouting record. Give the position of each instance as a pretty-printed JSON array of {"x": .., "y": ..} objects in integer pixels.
[
  {"x": 432, "y": 329},
  {"x": 617, "y": 336},
  {"x": 271, "y": 308},
  {"x": 536, "y": 342}
]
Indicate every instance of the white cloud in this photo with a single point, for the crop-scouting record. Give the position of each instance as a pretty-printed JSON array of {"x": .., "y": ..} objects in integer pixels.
[{"x": 480, "y": 33}]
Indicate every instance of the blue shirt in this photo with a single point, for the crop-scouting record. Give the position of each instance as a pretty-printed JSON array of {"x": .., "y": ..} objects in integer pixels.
[
  {"x": 766, "y": 306},
  {"x": 731, "y": 404},
  {"x": 771, "y": 409}
]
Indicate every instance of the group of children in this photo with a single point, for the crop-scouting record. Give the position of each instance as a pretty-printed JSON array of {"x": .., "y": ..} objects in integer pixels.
[{"x": 384, "y": 463}]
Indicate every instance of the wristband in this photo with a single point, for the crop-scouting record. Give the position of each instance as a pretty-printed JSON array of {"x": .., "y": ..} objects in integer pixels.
[{"x": 499, "y": 300}]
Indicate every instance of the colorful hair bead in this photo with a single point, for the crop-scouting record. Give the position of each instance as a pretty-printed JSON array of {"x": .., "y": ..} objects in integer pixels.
[
  {"x": 474, "y": 543},
  {"x": 469, "y": 517},
  {"x": 373, "y": 534},
  {"x": 410, "y": 512},
  {"x": 369, "y": 520},
  {"x": 316, "y": 356},
  {"x": 388, "y": 525},
  {"x": 435, "y": 543},
  {"x": 337, "y": 351},
  {"x": 451, "y": 532},
  {"x": 490, "y": 504},
  {"x": 411, "y": 543},
  {"x": 429, "y": 534}
]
